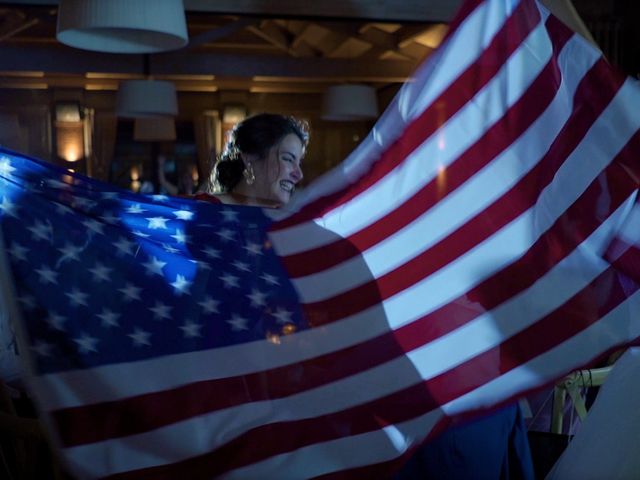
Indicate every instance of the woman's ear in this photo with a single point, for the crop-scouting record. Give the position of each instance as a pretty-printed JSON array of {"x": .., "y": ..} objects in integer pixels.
[{"x": 247, "y": 158}]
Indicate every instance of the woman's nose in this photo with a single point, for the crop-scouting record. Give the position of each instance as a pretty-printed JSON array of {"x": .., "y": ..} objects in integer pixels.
[{"x": 296, "y": 173}]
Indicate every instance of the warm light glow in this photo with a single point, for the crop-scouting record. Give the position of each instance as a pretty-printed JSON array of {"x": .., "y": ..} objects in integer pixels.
[
  {"x": 288, "y": 329},
  {"x": 135, "y": 186},
  {"x": 273, "y": 338},
  {"x": 71, "y": 170},
  {"x": 194, "y": 174},
  {"x": 135, "y": 173},
  {"x": 70, "y": 140},
  {"x": 71, "y": 154}
]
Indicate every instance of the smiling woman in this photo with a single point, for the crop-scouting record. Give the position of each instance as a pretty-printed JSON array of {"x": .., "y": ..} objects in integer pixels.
[{"x": 261, "y": 162}]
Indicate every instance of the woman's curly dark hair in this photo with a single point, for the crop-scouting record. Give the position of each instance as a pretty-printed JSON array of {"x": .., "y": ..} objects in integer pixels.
[{"x": 255, "y": 136}]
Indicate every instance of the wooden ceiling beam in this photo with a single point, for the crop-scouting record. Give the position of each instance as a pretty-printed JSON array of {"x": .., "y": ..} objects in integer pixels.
[
  {"x": 390, "y": 11},
  {"x": 50, "y": 58}
]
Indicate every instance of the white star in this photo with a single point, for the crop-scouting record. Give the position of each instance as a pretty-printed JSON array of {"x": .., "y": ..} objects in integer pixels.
[
  {"x": 241, "y": 266},
  {"x": 229, "y": 215},
  {"x": 157, "y": 222},
  {"x": 169, "y": 249},
  {"x": 201, "y": 265},
  {"x": 18, "y": 251},
  {"x": 138, "y": 233},
  {"x": 83, "y": 203},
  {"x": 109, "y": 318},
  {"x": 180, "y": 237},
  {"x": 108, "y": 217},
  {"x": 56, "y": 321},
  {"x": 191, "y": 329},
  {"x": 270, "y": 279},
  {"x": 181, "y": 285},
  {"x": 100, "y": 272},
  {"x": 238, "y": 323},
  {"x": 42, "y": 348},
  {"x": 209, "y": 305},
  {"x": 211, "y": 252},
  {"x": 282, "y": 315},
  {"x": 135, "y": 208},
  {"x": 257, "y": 298},
  {"x": 225, "y": 234},
  {"x": 160, "y": 311},
  {"x": 183, "y": 214},
  {"x": 47, "y": 275},
  {"x": 77, "y": 297},
  {"x": 41, "y": 230},
  {"x": 8, "y": 208},
  {"x": 130, "y": 292},
  {"x": 154, "y": 266},
  {"x": 5, "y": 166},
  {"x": 159, "y": 198},
  {"x": 28, "y": 302},
  {"x": 109, "y": 195},
  {"x": 140, "y": 337},
  {"x": 63, "y": 209},
  {"x": 69, "y": 252},
  {"x": 124, "y": 247},
  {"x": 253, "y": 248},
  {"x": 230, "y": 280},
  {"x": 86, "y": 343},
  {"x": 94, "y": 226}
]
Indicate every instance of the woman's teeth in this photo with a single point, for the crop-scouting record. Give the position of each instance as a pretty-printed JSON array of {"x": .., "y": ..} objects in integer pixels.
[{"x": 286, "y": 185}]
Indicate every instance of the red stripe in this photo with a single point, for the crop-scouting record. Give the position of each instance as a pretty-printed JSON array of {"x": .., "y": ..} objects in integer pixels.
[
  {"x": 524, "y": 19},
  {"x": 502, "y": 134},
  {"x": 519, "y": 198},
  {"x": 110, "y": 419},
  {"x": 275, "y": 439}
]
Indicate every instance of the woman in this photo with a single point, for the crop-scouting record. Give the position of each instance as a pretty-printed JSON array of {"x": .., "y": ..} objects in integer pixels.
[{"x": 260, "y": 165}]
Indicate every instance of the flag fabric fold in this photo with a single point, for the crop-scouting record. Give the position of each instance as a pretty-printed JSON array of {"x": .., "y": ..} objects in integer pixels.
[{"x": 480, "y": 243}]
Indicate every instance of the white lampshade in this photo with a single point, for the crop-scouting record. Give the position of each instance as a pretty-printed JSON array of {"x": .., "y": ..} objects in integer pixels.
[
  {"x": 146, "y": 98},
  {"x": 122, "y": 26},
  {"x": 159, "y": 129},
  {"x": 350, "y": 103}
]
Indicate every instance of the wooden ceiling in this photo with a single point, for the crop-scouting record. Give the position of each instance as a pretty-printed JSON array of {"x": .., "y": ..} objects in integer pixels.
[{"x": 281, "y": 46}]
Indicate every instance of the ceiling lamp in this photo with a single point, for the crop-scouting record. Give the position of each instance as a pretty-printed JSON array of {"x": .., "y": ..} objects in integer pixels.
[
  {"x": 146, "y": 98},
  {"x": 161, "y": 129},
  {"x": 350, "y": 103},
  {"x": 122, "y": 26}
]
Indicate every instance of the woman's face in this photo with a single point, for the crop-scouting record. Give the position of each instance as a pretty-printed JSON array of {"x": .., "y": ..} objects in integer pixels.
[{"x": 278, "y": 174}]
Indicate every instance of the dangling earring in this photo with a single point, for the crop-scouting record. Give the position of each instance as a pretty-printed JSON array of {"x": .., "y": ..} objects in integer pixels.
[{"x": 248, "y": 174}]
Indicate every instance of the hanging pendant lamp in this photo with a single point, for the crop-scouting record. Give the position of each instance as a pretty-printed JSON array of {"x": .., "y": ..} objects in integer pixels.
[
  {"x": 122, "y": 26},
  {"x": 146, "y": 98}
]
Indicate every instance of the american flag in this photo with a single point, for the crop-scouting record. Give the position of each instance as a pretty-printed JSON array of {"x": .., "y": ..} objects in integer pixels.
[{"x": 471, "y": 249}]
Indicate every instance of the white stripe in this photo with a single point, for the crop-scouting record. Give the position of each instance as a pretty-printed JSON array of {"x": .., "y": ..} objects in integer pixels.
[
  {"x": 630, "y": 232},
  {"x": 487, "y": 331},
  {"x": 620, "y": 325},
  {"x": 344, "y": 453},
  {"x": 465, "y": 44},
  {"x": 463, "y": 130},
  {"x": 453, "y": 211}
]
